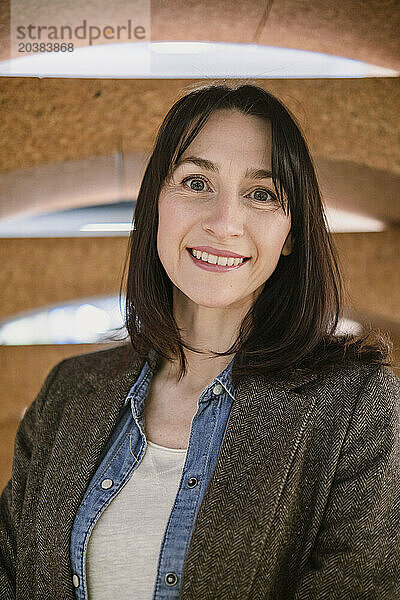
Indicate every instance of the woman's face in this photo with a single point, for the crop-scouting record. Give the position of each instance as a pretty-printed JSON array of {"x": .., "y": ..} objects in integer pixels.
[{"x": 221, "y": 201}]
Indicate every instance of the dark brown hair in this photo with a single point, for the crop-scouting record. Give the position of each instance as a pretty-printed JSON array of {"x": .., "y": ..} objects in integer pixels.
[{"x": 290, "y": 329}]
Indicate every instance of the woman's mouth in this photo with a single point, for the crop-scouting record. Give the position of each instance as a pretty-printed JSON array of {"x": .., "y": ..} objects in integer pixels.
[{"x": 212, "y": 262}]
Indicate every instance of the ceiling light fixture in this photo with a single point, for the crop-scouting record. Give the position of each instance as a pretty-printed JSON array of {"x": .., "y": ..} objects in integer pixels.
[{"x": 181, "y": 59}]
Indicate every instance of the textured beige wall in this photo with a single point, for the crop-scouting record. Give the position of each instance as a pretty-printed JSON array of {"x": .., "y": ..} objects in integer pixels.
[
  {"x": 52, "y": 120},
  {"x": 366, "y": 30},
  {"x": 371, "y": 271},
  {"x": 38, "y": 272}
]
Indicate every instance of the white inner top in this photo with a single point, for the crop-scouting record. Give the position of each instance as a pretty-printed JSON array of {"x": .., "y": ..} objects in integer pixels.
[{"x": 124, "y": 545}]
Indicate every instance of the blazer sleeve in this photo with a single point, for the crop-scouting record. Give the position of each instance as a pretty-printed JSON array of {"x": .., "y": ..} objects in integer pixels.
[
  {"x": 357, "y": 552},
  {"x": 12, "y": 497}
]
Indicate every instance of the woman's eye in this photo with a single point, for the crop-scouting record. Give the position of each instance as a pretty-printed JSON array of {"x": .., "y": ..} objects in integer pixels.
[
  {"x": 263, "y": 196},
  {"x": 197, "y": 184}
]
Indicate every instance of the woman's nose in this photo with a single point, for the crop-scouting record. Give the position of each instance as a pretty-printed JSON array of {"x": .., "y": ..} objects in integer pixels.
[{"x": 225, "y": 218}]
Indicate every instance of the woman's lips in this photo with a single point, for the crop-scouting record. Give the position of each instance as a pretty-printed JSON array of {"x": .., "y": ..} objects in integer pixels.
[
  {"x": 216, "y": 268},
  {"x": 216, "y": 252}
]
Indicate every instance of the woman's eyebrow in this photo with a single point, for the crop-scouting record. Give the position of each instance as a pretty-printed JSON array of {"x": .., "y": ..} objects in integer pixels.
[
  {"x": 258, "y": 174},
  {"x": 200, "y": 162},
  {"x": 210, "y": 166}
]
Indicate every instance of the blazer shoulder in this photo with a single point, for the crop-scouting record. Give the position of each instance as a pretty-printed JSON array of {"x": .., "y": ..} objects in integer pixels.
[
  {"x": 362, "y": 382},
  {"x": 342, "y": 385},
  {"x": 375, "y": 375},
  {"x": 358, "y": 371},
  {"x": 383, "y": 382},
  {"x": 105, "y": 363}
]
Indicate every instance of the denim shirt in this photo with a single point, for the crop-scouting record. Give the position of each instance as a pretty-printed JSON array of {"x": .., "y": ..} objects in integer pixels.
[{"x": 122, "y": 455}]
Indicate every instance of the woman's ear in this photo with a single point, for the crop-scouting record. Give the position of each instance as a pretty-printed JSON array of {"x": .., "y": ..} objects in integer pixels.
[{"x": 287, "y": 246}]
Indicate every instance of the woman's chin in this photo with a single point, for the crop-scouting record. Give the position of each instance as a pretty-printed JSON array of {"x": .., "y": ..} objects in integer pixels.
[{"x": 215, "y": 300}]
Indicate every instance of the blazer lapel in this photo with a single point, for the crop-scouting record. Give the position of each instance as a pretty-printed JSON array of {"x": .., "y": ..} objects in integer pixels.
[{"x": 266, "y": 424}]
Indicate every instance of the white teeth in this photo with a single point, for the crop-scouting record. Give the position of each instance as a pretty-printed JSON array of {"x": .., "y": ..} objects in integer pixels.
[{"x": 213, "y": 259}]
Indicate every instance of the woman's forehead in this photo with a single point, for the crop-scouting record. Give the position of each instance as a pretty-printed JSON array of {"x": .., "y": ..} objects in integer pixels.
[
  {"x": 232, "y": 122},
  {"x": 234, "y": 137}
]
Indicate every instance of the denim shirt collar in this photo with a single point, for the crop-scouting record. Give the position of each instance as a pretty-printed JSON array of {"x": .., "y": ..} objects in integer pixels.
[
  {"x": 225, "y": 379},
  {"x": 138, "y": 392}
]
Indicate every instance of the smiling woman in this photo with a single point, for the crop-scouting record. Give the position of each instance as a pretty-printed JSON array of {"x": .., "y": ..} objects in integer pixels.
[
  {"x": 236, "y": 447},
  {"x": 212, "y": 205}
]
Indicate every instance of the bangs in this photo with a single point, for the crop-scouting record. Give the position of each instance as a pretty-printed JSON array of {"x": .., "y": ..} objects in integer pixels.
[{"x": 189, "y": 133}]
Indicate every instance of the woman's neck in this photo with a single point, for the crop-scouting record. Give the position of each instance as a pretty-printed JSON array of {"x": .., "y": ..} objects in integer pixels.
[{"x": 199, "y": 373}]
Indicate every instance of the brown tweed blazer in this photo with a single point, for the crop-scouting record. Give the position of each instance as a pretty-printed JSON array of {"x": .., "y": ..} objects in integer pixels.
[{"x": 304, "y": 502}]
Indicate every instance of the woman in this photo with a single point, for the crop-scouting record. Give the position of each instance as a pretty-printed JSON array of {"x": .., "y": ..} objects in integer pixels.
[{"x": 264, "y": 448}]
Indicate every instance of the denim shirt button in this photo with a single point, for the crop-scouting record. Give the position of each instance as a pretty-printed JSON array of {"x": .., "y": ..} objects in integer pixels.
[
  {"x": 171, "y": 579},
  {"x": 75, "y": 581},
  {"x": 217, "y": 389},
  {"x": 106, "y": 484},
  {"x": 192, "y": 482}
]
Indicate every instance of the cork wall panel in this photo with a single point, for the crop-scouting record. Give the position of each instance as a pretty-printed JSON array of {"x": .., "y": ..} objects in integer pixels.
[
  {"x": 40, "y": 271},
  {"x": 52, "y": 120},
  {"x": 365, "y": 30},
  {"x": 209, "y": 20},
  {"x": 371, "y": 267}
]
